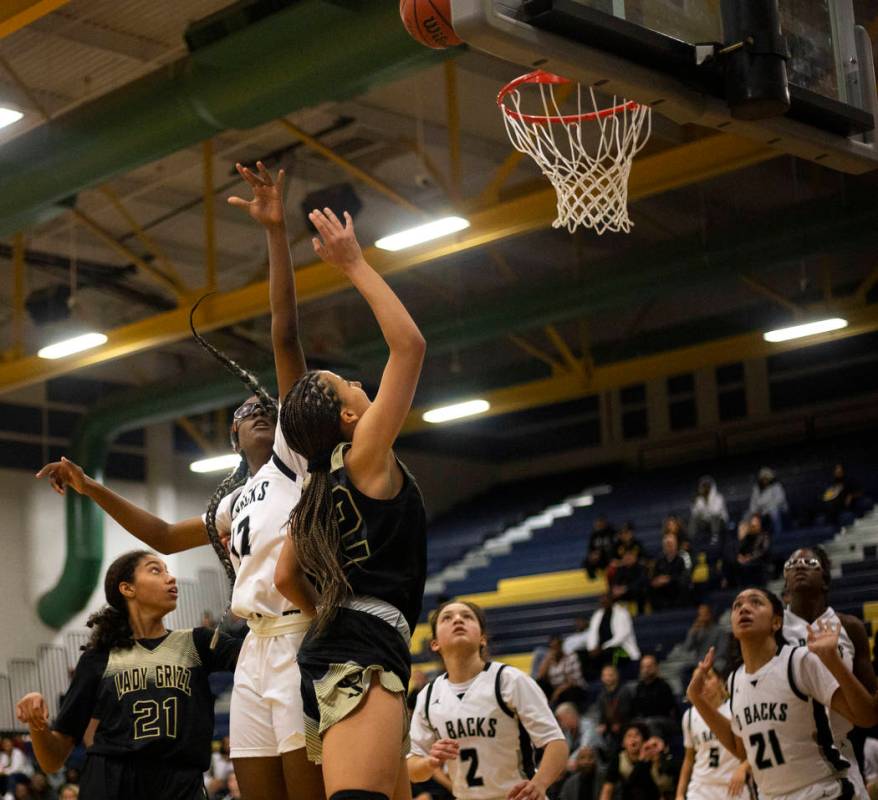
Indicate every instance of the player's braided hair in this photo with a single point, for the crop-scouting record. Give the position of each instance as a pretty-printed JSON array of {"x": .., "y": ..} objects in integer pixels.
[
  {"x": 310, "y": 422},
  {"x": 240, "y": 474},
  {"x": 111, "y": 626}
]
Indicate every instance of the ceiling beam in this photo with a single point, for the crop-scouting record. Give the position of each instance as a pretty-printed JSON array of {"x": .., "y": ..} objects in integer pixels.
[
  {"x": 16, "y": 14},
  {"x": 567, "y": 386},
  {"x": 670, "y": 169}
]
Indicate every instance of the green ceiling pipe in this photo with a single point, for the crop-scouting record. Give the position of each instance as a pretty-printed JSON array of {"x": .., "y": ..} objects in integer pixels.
[
  {"x": 310, "y": 52},
  {"x": 89, "y": 447}
]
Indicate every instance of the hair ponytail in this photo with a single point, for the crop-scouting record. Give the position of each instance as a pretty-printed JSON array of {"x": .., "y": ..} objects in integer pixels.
[
  {"x": 111, "y": 626},
  {"x": 310, "y": 422}
]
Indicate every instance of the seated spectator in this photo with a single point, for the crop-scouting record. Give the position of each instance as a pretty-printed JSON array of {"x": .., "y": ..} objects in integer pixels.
[
  {"x": 560, "y": 675},
  {"x": 579, "y": 731},
  {"x": 673, "y": 524},
  {"x": 21, "y": 791},
  {"x": 769, "y": 500},
  {"x": 600, "y": 546},
  {"x": 610, "y": 637},
  {"x": 583, "y": 782},
  {"x": 642, "y": 769},
  {"x": 627, "y": 576},
  {"x": 577, "y": 641},
  {"x": 870, "y": 766},
  {"x": 704, "y": 634},
  {"x": 220, "y": 768},
  {"x": 653, "y": 701},
  {"x": 750, "y": 567},
  {"x": 232, "y": 790},
  {"x": 841, "y": 500},
  {"x": 69, "y": 791},
  {"x": 614, "y": 708},
  {"x": 14, "y": 765},
  {"x": 708, "y": 519},
  {"x": 40, "y": 789},
  {"x": 670, "y": 582}
]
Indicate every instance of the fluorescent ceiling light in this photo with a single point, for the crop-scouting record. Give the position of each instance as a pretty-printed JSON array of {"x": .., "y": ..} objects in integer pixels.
[
  {"x": 216, "y": 463},
  {"x": 423, "y": 233},
  {"x": 456, "y": 411},
  {"x": 808, "y": 329},
  {"x": 75, "y": 345},
  {"x": 9, "y": 116}
]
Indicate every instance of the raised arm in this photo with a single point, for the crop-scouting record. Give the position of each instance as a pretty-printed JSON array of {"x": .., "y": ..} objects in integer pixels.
[
  {"x": 719, "y": 724},
  {"x": 164, "y": 537},
  {"x": 371, "y": 456},
  {"x": 267, "y": 208}
]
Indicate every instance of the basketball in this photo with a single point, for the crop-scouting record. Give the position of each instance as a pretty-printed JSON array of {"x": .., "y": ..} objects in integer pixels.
[{"x": 429, "y": 22}]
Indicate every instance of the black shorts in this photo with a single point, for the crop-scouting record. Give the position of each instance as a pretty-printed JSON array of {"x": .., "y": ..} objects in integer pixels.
[
  {"x": 109, "y": 778},
  {"x": 338, "y": 666}
]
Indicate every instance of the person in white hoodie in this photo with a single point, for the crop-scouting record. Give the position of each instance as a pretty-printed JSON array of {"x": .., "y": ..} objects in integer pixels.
[
  {"x": 708, "y": 519},
  {"x": 768, "y": 499}
]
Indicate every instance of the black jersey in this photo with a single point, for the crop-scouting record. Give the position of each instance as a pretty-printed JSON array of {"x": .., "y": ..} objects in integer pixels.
[
  {"x": 384, "y": 542},
  {"x": 152, "y": 700}
]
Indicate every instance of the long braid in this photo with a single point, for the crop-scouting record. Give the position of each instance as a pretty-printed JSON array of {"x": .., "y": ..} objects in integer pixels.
[
  {"x": 309, "y": 420},
  {"x": 238, "y": 476}
]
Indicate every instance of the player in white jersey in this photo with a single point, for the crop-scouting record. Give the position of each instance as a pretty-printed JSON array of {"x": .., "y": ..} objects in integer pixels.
[
  {"x": 777, "y": 698},
  {"x": 249, "y": 513},
  {"x": 709, "y": 771},
  {"x": 807, "y": 576},
  {"x": 482, "y": 719}
]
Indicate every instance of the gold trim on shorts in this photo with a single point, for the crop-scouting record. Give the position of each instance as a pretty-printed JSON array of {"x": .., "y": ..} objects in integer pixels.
[{"x": 339, "y": 693}]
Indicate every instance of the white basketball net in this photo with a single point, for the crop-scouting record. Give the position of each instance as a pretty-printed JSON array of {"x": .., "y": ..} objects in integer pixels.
[{"x": 592, "y": 189}]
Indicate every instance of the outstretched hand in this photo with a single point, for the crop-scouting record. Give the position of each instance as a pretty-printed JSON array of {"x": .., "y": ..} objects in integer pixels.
[
  {"x": 696, "y": 685},
  {"x": 267, "y": 205},
  {"x": 443, "y": 750},
  {"x": 823, "y": 640},
  {"x": 64, "y": 473},
  {"x": 337, "y": 244},
  {"x": 33, "y": 711}
]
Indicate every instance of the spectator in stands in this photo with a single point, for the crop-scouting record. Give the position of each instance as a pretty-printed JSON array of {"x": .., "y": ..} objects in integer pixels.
[
  {"x": 709, "y": 518},
  {"x": 841, "y": 500},
  {"x": 22, "y": 791},
  {"x": 14, "y": 765},
  {"x": 233, "y": 792},
  {"x": 583, "y": 783},
  {"x": 600, "y": 546},
  {"x": 704, "y": 634},
  {"x": 653, "y": 700},
  {"x": 577, "y": 641},
  {"x": 673, "y": 524},
  {"x": 217, "y": 775},
  {"x": 69, "y": 791},
  {"x": 579, "y": 731},
  {"x": 750, "y": 567},
  {"x": 670, "y": 583},
  {"x": 769, "y": 500},
  {"x": 560, "y": 675},
  {"x": 614, "y": 707},
  {"x": 207, "y": 619},
  {"x": 627, "y": 576},
  {"x": 40, "y": 789},
  {"x": 71, "y": 774},
  {"x": 642, "y": 769},
  {"x": 610, "y": 637}
]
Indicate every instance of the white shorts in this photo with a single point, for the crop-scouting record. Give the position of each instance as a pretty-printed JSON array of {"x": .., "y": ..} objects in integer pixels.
[
  {"x": 854, "y": 775},
  {"x": 711, "y": 791},
  {"x": 266, "y": 713}
]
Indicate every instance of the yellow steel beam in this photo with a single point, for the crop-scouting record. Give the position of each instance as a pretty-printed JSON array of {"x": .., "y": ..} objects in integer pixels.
[
  {"x": 209, "y": 215},
  {"x": 532, "y": 350},
  {"x": 763, "y": 289},
  {"x": 452, "y": 118},
  {"x": 671, "y": 169},
  {"x": 352, "y": 169},
  {"x": 568, "y": 385},
  {"x": 108, "y": 239},
  {"x": 142, "y": 236},
  {"x": 16, "y": 14},
  {"x": 571, "y": 361}
]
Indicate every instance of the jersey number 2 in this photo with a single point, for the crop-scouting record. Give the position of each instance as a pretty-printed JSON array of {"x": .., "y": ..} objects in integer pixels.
[
  {"x": 244, "y": 527},
  {"x": 472, "y": 755},
  {"x": 148, "y": 719},
  {"x": 758, "y": 741}
]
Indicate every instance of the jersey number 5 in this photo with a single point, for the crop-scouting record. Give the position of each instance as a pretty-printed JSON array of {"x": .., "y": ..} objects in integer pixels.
[
  {"x": 472, "y": 755},
  {"x": 758, "y": 741},
  {"x": 713, "y": 761}
]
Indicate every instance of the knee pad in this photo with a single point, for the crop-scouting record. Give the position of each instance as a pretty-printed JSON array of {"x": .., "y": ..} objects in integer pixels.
[{"x": 358, "y": 794}]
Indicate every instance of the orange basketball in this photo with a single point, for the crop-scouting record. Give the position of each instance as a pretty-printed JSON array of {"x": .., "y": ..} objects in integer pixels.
[{"x": 429, "y": 22}]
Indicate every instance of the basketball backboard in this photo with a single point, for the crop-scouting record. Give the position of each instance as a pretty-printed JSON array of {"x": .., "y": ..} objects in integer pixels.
[{"x": 663, "y": 53}]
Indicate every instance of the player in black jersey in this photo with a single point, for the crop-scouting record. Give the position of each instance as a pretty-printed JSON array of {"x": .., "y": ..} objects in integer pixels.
[
  {"x": 147, "y": 688},
  {"x": 358, "y": 535}
]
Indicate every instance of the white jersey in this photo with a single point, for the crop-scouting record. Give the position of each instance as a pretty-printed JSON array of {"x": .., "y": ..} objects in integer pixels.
[
  {"x": 498, "y": 718},
  {"x": 256, "y": 517},
  {"x": 779, "y": 713},
  {"x": 795, "y": 631},
  {"x": 714, "y": 765}
]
